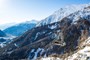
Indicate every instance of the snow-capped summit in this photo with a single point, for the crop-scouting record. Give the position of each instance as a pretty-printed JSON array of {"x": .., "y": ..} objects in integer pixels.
[
  {"x": 62, "y": 13},
  {"x": 84, "y": 13}
]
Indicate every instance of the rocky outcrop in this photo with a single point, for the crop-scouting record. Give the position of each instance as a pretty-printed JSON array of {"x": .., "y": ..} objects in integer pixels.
[{"x": 59, "y": 39}]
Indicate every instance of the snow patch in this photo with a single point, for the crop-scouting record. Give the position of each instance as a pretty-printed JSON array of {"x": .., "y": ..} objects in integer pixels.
[
  {"x": 36, "y": 53},
  {"x": 16, "y": 45},
  {"x": 2, "y": 45},
  {"x": 50, "y": 58},
  {"x": 32, "y": 50}
]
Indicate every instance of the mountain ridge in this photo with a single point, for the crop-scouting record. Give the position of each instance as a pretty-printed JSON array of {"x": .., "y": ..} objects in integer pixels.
[
  {"x": 61, "y": 13},
  {"x": 19, "y": 29},
  {"x": 60, "y": 39}
]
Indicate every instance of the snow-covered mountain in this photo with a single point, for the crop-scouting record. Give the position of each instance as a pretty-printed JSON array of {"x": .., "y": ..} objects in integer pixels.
[
  {"x": 19, "y": 29},
  {"x": 4, "y": 26},
  {"x": 59, "y": 37},
  {"x": 62, "y": 13}
]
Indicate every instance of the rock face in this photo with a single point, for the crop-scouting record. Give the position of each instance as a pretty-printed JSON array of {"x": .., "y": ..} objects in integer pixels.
[
  {"x": 59, "y": 39},
  {"x": 82, "y": 54}
]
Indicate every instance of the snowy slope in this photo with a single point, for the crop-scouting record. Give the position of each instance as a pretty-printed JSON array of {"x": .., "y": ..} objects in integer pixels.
[
  {"x": 85, "y": 13},
  {"x": 62, "y": 13}
]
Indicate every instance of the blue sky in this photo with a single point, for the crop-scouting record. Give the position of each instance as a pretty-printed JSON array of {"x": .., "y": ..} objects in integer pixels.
[{"x": 22, "y": 10}]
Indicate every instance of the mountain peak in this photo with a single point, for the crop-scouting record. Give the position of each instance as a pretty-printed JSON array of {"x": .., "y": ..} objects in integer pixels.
[{"x": 63, "y": 12}]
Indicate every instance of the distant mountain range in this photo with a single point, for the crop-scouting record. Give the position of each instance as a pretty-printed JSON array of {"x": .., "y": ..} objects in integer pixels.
[
  {"x": 14, "y": 30},
  {"x": 65, "y": 35},
  {"x": 19, "y": 29},
  {"x": 4, "y": 26}
]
